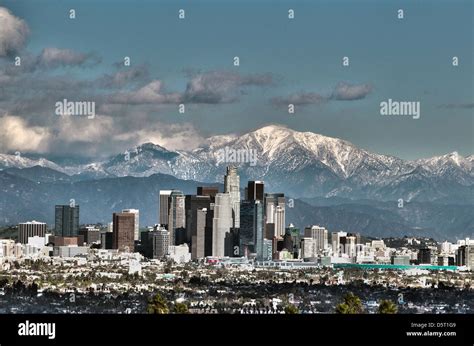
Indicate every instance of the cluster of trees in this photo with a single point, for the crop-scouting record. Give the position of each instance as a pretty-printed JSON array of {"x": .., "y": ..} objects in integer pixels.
[
  {"x": 160, "y": 305},
  {"x": 352, "y": 304}
]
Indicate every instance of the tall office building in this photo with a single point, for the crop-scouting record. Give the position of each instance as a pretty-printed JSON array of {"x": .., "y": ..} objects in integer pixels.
[
  {"x": 337, "y": 245},
  {"x": 31, "y": 229},
  {"x": 259, "y": 235},
  {"x": 350, "y": 246},
  {"x": 279, "y": 221},
  {"x": 161, "y": 243},
  {"x": 123, "y": 231},
  {"x": 320, "y": 237},
  {"x": 232, "y": 187},
  {"x": 198, "y": 241},
  {"x": 66, "y": 220},
  {"x": 210, "y": 191},
  {"x": 192, "y": 204},
  {"x": 247, "y": 212},
  {"x": 465, "y": 256},
  {"x": 255, "y": 190},
  {"x": 136, "y": 212},
  {"x": 221, "y": 223},
  {"x": 91, "y": 234},
  {"x": 252, "y": 227},
  {"x": 164, "y": 207},
  {"x": 424, "y": 256},
  {"x": 275, "y": 212},
  {"x": 176, "y": 214}
]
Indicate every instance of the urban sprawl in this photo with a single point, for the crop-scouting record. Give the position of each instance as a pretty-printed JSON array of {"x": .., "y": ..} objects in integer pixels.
[{"x": 215, "y": 252}]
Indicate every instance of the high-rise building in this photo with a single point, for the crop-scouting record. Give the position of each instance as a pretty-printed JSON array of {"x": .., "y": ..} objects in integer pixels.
[
  {"x": 198, "y": 241},
  {"x": 176, "y": 215},
  {"x": 164, "y": 207},
  {"x": 232, "y": 187},
  {"x": 221, "y": 223},
  {"x": 424, "y": 256},
  {"x": 91, "y": 234},
  {"x": 275, "y": 212},
  {"x": 124, "y": 231},
  {"x": 267, "y": 250},
  {"x": 191, "y": 204},
  {"x": 136, "y": 212},
  {"x": 66, "y": 220},
  {"x": 258, "y": 229},
  {"x": 255, "y": 190},
  {"x": 161, "y": 243},
  {"x": 320, "y": 237},
  {"x": 31, "y": 229},
  {"x": 337, "y": 246},
  {"x": 350, "y": 246},
  {"x": 210, "y": 191},
  {"x": 247, "y": 223},
  {"x": 308, "y": 248},
  {"x": 280, "y": 221},
  {"x": 465, "y": 256}
]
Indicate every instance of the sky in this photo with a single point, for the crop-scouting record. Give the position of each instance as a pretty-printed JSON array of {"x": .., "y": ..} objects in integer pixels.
[{"x": 190, "y": 61}]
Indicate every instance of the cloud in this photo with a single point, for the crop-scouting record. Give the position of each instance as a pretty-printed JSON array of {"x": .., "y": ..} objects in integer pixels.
[
  {"x": 55, "y": 57},
  {"x": 170, "y": 136},
  {"x": 150, "y": 93},
  {"x": 301, "y": 98},
  {"x": 125, "y": 76},
  {"x": 75, "y": 129},
  {"x": 342, "y": 92},
  {"x": 457, "y": 106},
  {"x": 221, "y": 86},
  {"x": 349, "y": 92},
  {"x": 13, "y": 32},
  {"x": 17, "y": 134}
]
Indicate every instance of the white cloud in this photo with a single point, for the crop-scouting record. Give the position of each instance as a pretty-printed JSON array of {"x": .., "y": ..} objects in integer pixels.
[
  {"x": 17, "y": 134},
  {"x": 54, "y": 57},
  {"x": 13, "y": 32},
  {"x": 150, "y": 93},
  {"x": 170, "y": 136},
  {"x": 222, "y": 86},
  {"x": 82, "y": 129},
  {"x": 349, "y": 92}
]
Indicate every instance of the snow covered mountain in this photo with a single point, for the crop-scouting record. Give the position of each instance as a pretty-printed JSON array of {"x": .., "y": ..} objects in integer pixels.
[
  {"x": 301, "y": 164},
  {"x": 19, "y": 161}
]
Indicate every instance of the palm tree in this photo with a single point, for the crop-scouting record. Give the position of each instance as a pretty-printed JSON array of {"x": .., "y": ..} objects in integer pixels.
[
  {"x": 387, "y": 307},
  {"x": 181, "y": 308},
  {"x": 291, "y": 309},
  {"x": 351, "y": 305},
  {"x": 158, "y": 305}
]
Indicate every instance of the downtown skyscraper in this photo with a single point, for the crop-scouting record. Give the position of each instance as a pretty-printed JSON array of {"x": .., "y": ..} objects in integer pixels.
[
  {"x": 176, "y": 216},
  {"x": 275, "y": 212},
  {"x": 232, "y": 187},
  {"x": 123, "y": 231},
  {"x": 66, "y": 220},
  {"x": 164, "y": 206},
  {"x": 221, "y": 223}
]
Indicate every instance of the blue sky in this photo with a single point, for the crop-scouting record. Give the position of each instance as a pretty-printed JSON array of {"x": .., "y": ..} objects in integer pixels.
[{"x": 190, "y": 61}]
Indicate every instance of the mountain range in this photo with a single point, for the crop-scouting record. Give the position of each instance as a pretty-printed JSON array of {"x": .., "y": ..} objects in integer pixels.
[{"x": 334, "y": 183}]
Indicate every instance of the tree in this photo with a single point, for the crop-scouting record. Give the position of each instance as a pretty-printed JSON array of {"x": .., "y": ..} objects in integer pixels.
[
  {"x": 180, "y": 308},
  {"x": 184, "y": 274},
  {"x": 291, "y": 309},
  {"x": 351, "y": 305},
  {"x": 158, "y": 305},
  {"x": 387, "y": 307}
]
